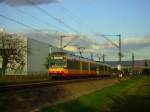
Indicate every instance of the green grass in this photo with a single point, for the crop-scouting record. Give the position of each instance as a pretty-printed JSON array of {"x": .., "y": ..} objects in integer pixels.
[{"x": 131, "y": 95}]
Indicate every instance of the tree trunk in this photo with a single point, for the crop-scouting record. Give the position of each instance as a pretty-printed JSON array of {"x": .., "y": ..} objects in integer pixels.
[{"x": 4, "y": 64}]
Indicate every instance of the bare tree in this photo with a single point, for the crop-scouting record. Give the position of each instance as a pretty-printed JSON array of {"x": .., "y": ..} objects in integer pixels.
[{"x": 13, "y": 52}]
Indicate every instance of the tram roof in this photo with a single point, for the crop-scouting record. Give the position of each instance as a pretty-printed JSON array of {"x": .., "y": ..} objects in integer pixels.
[{"x": 76, "y": 57}]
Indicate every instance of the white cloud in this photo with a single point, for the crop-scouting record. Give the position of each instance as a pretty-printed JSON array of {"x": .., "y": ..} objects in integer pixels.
[
  {"x": 71, "y": 48},
  {"x": 129, "y": 44},
  {"x": 135, "y": 43}
]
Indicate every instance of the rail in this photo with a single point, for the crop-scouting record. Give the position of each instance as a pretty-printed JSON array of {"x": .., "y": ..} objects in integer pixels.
[{"x": 15, "y": 87}]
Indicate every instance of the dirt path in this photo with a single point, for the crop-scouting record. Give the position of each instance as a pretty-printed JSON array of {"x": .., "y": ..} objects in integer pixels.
[{"x": 33, "y": 100}]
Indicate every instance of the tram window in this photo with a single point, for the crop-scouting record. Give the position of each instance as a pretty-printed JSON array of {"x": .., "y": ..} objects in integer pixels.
[
  {"x": 69, "y": 64},
  {"x": 77, "y": 64},
  {"x": 93, "y": 66},
  {"x": 85, "y": 66},
  {"x": 73, "y": 64}
]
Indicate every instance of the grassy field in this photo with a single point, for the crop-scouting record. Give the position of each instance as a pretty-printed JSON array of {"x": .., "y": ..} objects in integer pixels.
[{"x": 131, "y": 95}]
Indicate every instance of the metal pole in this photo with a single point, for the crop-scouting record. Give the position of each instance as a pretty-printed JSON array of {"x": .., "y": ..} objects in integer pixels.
[
  {"x": 132, "y": 63},
  {"x": 99, "y": 59},
  {"x": 91, "y": 56},
  {"x": 81, "y": 49},
  {"x": 103, "y": 58},
  {"x": 120, "y": 54},
  {"x": 61, "y": 37}
]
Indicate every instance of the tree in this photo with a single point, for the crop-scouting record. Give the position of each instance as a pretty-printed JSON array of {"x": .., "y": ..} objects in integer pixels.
[{"x": 13, "y": 52}]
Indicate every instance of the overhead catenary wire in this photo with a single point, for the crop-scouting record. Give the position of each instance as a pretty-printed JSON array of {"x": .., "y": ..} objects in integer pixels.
[
  {"x": 51, "y": 16},
  {"x": 70, "y": 13},
  {"x": 76, "y": 18},
  {"x": 28, "y": 26},
  {"x": 18, "y": 22},
  {"x": 22, "y": 24},
  {"x": 37, "y": 18}
]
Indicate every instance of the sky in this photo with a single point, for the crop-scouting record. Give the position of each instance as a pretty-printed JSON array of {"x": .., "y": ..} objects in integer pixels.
[{"x": 130, "y": 18}]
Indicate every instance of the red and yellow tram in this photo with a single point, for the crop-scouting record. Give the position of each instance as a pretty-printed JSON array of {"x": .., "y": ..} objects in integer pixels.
[{"x": 71, "y": 66}]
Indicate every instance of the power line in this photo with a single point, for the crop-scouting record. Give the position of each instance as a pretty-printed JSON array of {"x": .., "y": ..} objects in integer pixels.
[
  {"x": 27, "y": 26},
  {"x": 18, "y": 22},
  {"x": 70, "y": 14},
  {"x": 70, "y": 41},
  {"x": 22, "y": 24},
  {"x": 51, "y": 16},
  {"x": 77, "y": 18},
  {"x": 37, "y": 19}
]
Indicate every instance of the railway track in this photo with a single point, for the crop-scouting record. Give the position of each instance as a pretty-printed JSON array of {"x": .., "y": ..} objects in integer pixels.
[{"x": 16, "y": 87}]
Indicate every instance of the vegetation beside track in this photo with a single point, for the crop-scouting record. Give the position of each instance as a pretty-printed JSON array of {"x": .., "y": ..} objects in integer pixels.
[
  {"x": 31, "y": 99},
  {"x": 131, "y": 95}
]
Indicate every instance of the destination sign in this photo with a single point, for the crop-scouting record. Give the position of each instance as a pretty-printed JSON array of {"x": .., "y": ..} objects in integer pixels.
[{"x": 54, "y": 57}]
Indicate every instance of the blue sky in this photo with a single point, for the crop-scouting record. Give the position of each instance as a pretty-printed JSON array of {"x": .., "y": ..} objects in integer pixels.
[{"x": 128, "y": 17}]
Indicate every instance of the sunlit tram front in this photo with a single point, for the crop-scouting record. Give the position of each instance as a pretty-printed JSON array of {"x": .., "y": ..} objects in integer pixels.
[{"x": 58, "y": 65}]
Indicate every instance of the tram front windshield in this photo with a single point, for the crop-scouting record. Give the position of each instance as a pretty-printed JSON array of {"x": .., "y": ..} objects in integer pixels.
[{"x": 57, "y": 62}]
